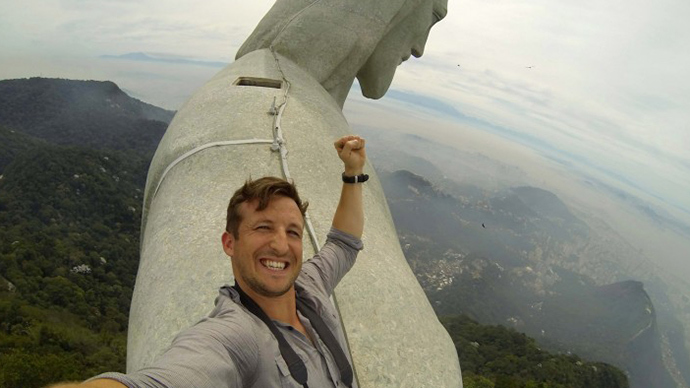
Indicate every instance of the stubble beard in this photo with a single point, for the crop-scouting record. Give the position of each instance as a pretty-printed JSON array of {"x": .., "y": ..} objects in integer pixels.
[{"x": 258, "y": 287}]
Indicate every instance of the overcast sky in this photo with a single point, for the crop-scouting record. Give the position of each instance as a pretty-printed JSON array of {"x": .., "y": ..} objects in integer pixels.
[{"x": 603, "y": 87}]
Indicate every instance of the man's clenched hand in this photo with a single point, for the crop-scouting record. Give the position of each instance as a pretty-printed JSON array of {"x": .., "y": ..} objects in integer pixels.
[{"x": 351, "y": 151}]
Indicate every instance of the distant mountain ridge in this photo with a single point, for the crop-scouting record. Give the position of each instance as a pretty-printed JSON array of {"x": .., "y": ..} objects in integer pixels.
[
  {"x": 96, "y": 114},
  {"x": 145, "y": 57},
  {"x": 544, "y": 202},
  {"x": 504, "y": 258}
]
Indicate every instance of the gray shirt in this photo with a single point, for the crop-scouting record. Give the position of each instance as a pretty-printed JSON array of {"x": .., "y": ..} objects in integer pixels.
[{"x": 233, "y": 348}]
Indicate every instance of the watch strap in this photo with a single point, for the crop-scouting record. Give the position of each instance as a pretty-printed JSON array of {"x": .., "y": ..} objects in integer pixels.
[{"x": 361, "y": 178}]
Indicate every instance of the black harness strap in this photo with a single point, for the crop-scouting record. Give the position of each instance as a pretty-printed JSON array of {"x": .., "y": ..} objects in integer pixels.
[
  {"x": 327, "y": 337},
  {"x": 295, "y": 364}
]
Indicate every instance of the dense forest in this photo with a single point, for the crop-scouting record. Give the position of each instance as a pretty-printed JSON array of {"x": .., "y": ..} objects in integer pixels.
[
  {"x": 69, "y": 241},
  {"x": 498, "y": 357},
  {"x": 73, "y": 162},
  {"x": 70, "y": 211}
]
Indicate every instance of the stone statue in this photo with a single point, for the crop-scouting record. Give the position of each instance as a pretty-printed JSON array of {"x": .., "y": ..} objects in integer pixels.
[
  {"x": 276, "y": 111},
  {"x": 334, "y": 41}
]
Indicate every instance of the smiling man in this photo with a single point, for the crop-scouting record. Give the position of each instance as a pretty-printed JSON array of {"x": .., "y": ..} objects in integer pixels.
[
  {"x": 276, "y": 327},
  {"x": 264, "y": 237}
]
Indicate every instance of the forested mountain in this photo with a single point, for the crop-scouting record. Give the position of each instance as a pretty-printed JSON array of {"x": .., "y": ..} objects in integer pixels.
[
  {"x": 96, "y": 114},
  {"x": 73, "y": 162},
  {"x": 13, "y": 143},
  {"x": 69, "y": 242},
  {"x": 495, "y": 356}
]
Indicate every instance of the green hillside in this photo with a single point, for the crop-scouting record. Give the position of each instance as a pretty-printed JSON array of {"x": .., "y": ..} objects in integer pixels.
[
  {"x": 494, "y": 356},
  {"x": 69, "y": 242},
  {"x": 73, "y": 162}
]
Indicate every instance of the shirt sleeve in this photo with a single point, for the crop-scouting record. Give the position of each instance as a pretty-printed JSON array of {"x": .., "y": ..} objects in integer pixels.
[
  {"x": 215, "y": 352},
  {"x": 333, "y": 261}
]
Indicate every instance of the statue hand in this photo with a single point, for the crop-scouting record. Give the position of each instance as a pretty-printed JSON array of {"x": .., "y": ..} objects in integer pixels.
[{"x": 351, "y": 151}]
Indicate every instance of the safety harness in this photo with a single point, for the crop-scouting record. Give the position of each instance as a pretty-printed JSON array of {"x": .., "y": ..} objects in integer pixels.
[{"x": 295, "y": 364}]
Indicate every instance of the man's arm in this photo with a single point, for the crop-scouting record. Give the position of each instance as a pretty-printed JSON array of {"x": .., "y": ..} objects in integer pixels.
[
  {"x": 349, "y": 215},
  {"x": 216, "y": 352},
  {"x": 338, "y": 254}
]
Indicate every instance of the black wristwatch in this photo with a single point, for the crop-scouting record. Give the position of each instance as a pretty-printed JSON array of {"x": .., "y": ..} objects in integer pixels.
[{"x": 361, "y": 178}]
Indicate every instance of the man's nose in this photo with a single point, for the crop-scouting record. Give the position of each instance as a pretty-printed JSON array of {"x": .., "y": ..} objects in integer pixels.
[{"x": 279, "y": 242}]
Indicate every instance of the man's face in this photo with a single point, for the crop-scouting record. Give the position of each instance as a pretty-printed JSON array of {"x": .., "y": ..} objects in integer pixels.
[
  {"x": 406, "y": 39},
  {"x": 267, "y": 255}
]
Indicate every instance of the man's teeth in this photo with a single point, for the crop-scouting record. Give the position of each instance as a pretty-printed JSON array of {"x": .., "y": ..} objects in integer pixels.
[{"x": 273, "y": 264}]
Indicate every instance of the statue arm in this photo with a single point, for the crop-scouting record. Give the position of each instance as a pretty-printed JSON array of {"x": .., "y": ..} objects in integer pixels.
[{"x": 349, "y": 215}]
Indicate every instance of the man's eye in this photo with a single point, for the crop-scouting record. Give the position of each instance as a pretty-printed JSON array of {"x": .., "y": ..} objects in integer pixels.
[
  {"x": 295, "y": 233},
  {"x": 263, "y": 227}
]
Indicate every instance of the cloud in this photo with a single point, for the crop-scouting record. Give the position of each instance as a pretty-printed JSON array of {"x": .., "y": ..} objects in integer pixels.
[
  {"x": 590, "y": 57},
  {"x": 609, "y": 89},
  {"x": 212, "y": 31}
]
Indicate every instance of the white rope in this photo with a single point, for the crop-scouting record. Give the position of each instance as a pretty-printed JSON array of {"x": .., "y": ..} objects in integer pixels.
[
  {"x": 203, "y": 147},
  {"x": 279, "y": 145}
]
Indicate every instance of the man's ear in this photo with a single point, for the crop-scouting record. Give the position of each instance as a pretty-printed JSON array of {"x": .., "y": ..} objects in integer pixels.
[{"x": 228, "y": 243}]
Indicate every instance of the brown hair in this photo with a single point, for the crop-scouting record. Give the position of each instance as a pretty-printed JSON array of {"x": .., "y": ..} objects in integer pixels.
[{"x": 263, "y": 189}]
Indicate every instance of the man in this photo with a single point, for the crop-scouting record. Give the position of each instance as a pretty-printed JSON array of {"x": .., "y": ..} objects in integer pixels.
[{"x": 234, "y": 346}]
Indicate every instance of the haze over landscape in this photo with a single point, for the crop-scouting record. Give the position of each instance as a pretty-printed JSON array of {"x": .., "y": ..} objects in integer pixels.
[{"x": 589, "y": 101}]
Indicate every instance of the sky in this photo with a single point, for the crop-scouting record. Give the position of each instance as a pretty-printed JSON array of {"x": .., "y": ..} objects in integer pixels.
[{"x": 598, "y": 89}]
